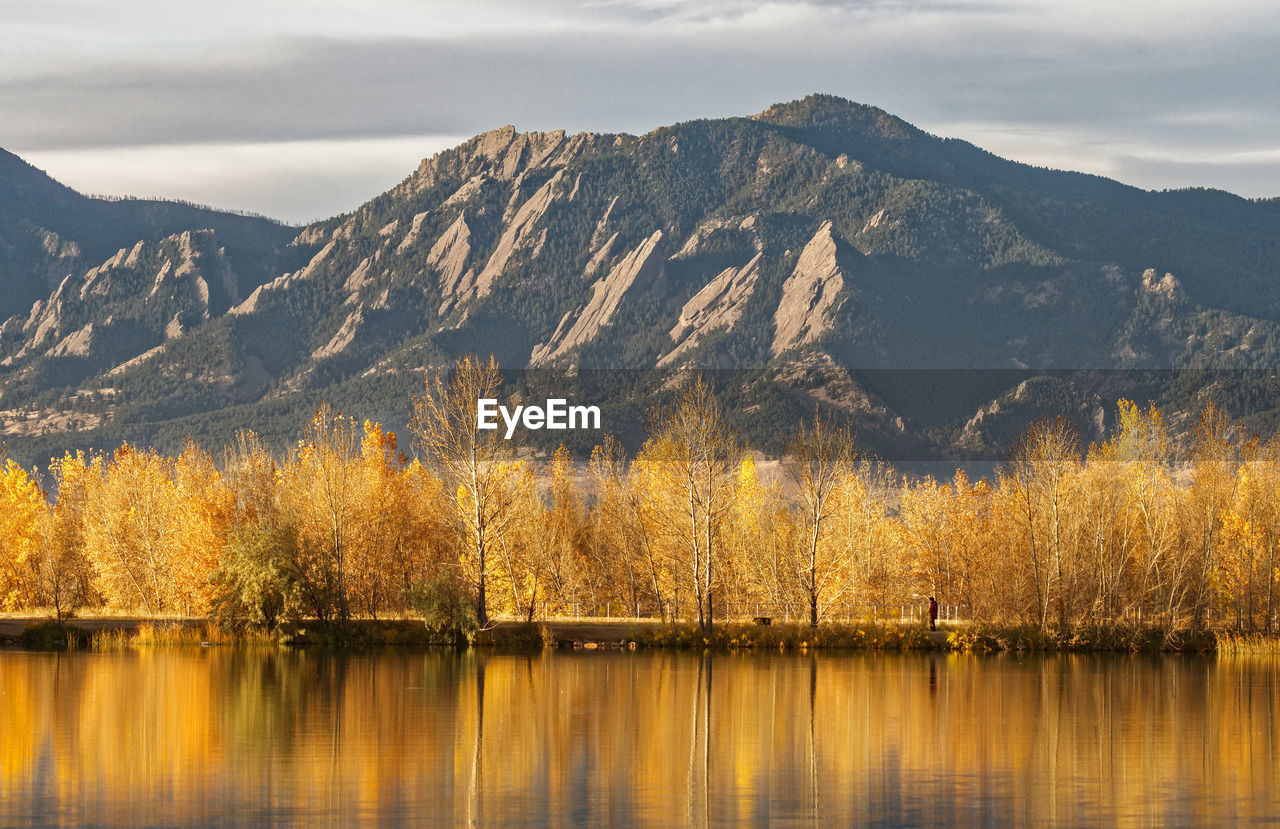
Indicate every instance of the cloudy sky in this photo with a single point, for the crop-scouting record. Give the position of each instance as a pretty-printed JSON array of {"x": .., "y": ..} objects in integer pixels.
[{"x": 304, "y": 108}]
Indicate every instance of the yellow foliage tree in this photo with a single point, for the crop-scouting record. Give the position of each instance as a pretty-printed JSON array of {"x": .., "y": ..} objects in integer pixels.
[
  {"x": 821, "y": 457},
  {"x": 66, "y": 575},
  {"x": 208, "y": 508},
  {"x": 131, "y": 516},
  {"x": 22, "y": 516},
  {"x": 475, "y": 463}
]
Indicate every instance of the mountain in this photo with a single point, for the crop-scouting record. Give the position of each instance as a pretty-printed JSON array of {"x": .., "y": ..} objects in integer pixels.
[{"x": 819, "y": 253}]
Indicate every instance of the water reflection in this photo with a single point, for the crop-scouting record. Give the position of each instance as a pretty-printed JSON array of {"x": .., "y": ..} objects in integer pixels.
[{"x": 165, "y": 737}]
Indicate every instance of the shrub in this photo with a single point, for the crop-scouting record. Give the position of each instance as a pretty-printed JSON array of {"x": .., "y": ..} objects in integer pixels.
[
  {"x": 446, "y": 608},
  {"x": 257, "y": 587}
]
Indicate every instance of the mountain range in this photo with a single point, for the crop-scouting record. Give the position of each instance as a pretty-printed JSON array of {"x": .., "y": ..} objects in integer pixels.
[{"x": 818, "y": 254}]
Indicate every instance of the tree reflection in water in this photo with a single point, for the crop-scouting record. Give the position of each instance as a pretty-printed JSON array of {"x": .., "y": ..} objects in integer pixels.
[{"x": 209, "y": 736}]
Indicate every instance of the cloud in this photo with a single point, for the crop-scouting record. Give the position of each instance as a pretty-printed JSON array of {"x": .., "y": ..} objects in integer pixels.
[
  {"x": 295, "y": 181},
  {"x": 1093, "y": 85}
]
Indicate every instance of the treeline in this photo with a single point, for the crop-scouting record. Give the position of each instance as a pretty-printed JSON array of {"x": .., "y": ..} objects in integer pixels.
[{"x": 1126, "y": 533}]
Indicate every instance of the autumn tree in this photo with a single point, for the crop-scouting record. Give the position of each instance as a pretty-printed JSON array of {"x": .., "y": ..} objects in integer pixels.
[
  {"x": 208, "y": 512},
  {"x": 318, "y": 493},
  {"x": 1105, "y": 542},
  {"x": 521, "y": 556},
  {"x": 475, "y": 463},
  {"x": 698, "y": 455},
  {"x": 765, "y": 535},
  {"x": 624, "y": 527},
  {"x": 66, "y": 575},
  {"x": 1038, "y": 475},
  {"x": 560, "y": 533},
  {"x": 258, "y": 582},
  {"x": 1145, "y": 447},
  {"x": 22, "y": 512},
  {"x": 1214, "y": 465},
  {"x": 879, "y": 568},
  {"x": 1248, "y": 571},
  {"x": 821, "y": 456},
  {"x": 949, "y": 529},
  {"x": 393, "y": 523},
  {"x": 132, "y": 513}
]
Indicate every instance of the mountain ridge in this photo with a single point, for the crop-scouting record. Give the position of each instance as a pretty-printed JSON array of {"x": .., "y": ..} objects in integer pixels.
[{"x": 806, "y": 248}]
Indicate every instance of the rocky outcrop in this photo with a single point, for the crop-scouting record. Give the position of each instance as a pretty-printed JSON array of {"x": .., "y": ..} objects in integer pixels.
[
  {"x": 75, "y": 344},
  {"x": 46, "y": 317},
  {"x": 451, "y": 257},
  {"x": 602, "y": 226},
  {"x": 719, "y": 305},
  {"x": 502, "y": 154},
  {"x": 131, "y": 261},
  {"x": 134, "y": 362},
  {"x": 358, "y": 278},
  {"x": 818, "y": 377},
  {"x": 706, "y": 231},
  {"x": 343, "y": 338},
  {"x": 1167, "y": 287},
  {"x": 466, "y": 192},
  {"x": 415, "y": 229},
  {"x": 1004, "y": 419},
  {"x": 518, "y": 233},
  {"x": 599, "y": 257},
  {"x": 577, "y": 328},
  {"x": 811, "y": 296},
  {"x": 201, "y": 296},
  {"x": 250, "y": 305}
]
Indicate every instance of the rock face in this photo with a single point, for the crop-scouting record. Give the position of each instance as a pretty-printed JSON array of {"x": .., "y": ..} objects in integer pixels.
[
  {"x": 75, "y": 344},
  {"x": 640, "y": 265},
  {"x": 811, "y": 296},
  {"x": 521, "y": 232},
  {"x": 135, "y": 300},
  {"x": 719, "y": 305},
  {"x": 282, "y": 282},
  {"x": 451, "y": 256},
  {"x": 1167, "y": 288},
  {"x": 342, "y": 338}
]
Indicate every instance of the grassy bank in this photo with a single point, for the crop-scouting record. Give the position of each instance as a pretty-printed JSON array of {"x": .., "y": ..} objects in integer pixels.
[
  {"x": 963, "y": 638},
  {"x": 1249, "y": 645},
  {"x": 744, "y": 635},
  {"x": 119, "y": 633}
]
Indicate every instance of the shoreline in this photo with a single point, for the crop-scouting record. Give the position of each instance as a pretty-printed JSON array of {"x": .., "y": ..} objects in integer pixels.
[{"x": 116, "y": 632}]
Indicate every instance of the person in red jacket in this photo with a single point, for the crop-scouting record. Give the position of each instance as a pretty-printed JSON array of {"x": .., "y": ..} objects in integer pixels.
[{"x": 933, "y": 613}]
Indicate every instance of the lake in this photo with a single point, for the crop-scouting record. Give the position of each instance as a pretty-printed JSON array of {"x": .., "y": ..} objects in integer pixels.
[{"x": 635, "y": 738}]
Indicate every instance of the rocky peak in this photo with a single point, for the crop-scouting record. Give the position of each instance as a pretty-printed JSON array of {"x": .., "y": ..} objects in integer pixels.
[
  {"x": 502, "y": 154},
  {"x": 831, "y": 112}
]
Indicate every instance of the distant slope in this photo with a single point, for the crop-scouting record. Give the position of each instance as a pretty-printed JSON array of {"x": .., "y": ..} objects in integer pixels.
[{"x": 47, "y": 230}]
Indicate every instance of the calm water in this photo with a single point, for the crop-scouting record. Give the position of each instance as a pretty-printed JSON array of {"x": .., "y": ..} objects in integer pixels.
[{"x": 667, "y": 739}]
